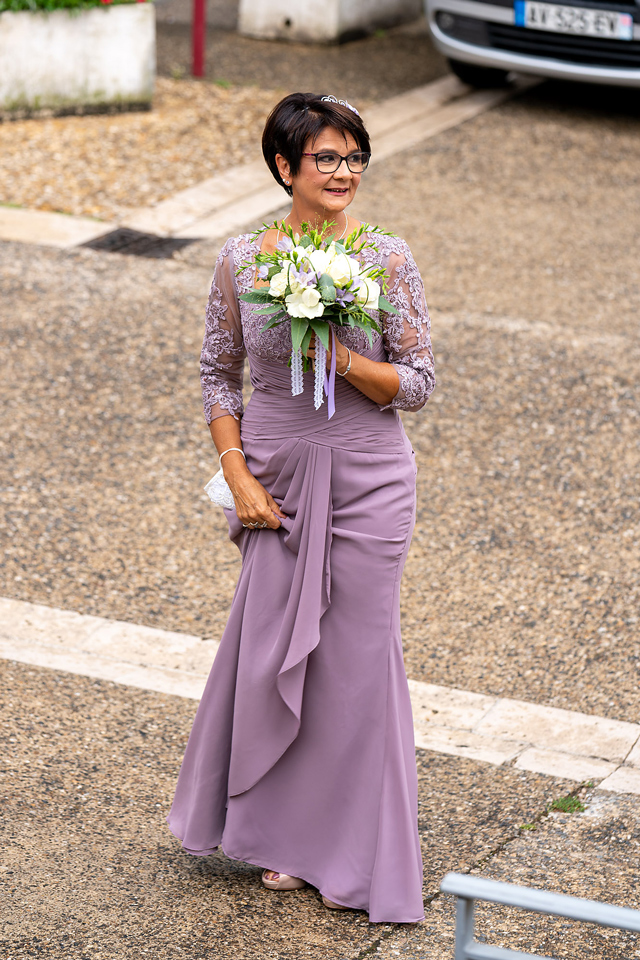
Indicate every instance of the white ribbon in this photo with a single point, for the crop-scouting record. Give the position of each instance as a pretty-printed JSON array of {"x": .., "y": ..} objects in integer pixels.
[
  {"x": 297, "y": 384},
  {"x": 320, "y": 371}
]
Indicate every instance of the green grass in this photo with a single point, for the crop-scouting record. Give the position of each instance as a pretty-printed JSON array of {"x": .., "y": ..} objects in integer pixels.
[
  {"x": 48, "y": 5},
  {"x": 567, "y": 804}
]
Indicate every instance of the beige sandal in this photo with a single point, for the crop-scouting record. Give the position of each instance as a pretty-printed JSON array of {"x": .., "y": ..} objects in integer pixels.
[
  {"x": 332, "y": 905},
  {"x": 284, "y": 881}
]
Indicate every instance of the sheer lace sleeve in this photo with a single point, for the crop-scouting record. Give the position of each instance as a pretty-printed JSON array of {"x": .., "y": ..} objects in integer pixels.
[
  {"x": 406, "y": 334},
  {"x": 222, "y": 357}
]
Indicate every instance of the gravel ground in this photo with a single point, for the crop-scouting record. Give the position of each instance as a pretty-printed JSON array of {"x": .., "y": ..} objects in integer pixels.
[
  {"x": 91, "y": 871},
  {"x": 523, "y": 576},
  {"x": 105, "y": 165}
]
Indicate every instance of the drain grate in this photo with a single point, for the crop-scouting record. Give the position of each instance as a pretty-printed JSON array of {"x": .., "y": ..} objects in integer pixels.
[{"x": 137, "y": 244}]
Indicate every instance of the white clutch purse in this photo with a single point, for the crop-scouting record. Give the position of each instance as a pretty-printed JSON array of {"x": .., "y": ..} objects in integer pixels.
[{"x": 218, "y": 489}]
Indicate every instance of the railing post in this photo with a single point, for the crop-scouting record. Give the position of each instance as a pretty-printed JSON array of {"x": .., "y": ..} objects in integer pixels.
[
  {"x": 198, "y": 36},
  {"x": 464, "y": 927}
]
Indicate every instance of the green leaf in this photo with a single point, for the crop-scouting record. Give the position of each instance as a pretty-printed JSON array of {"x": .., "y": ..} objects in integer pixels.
[
  {"x": 257, "y": 296},
  {"x": 385, "y": 306},
  {"x": 306, "y": 340},
  {"x": 327, "y": 288},
  {"x": 299, "y": 327},
  {"x": 321, "y": 329},
  {"x": 274, "y": 321}
]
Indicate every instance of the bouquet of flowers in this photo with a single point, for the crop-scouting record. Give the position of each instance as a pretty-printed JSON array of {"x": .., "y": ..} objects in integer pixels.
[{"x": 315, "y": 281}]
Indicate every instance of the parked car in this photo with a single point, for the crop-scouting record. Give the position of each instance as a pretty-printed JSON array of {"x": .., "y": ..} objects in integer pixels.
[{"x": 595, "y": 41}]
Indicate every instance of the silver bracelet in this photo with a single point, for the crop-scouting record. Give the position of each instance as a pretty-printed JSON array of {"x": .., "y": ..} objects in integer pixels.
[
  {"x": 348, "y": 366},
  {"x": 229, "y": 451}
]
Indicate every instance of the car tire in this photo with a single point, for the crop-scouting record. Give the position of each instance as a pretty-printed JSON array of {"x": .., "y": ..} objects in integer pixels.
[{"x": 477, "y": 76}]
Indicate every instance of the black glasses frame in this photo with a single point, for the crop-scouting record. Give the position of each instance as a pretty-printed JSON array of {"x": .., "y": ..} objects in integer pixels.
[{"x": 323, "y": 153}]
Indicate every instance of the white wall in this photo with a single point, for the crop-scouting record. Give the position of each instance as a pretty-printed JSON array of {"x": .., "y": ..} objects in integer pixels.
[
  {"x": 101, "y": 55},
  {"x": 321, "y": 21}
]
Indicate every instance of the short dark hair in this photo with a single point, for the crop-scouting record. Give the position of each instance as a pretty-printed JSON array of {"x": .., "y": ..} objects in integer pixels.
[{"x": 300, "y": 117}]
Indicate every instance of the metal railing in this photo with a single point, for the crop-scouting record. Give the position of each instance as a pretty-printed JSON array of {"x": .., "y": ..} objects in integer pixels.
[{"x": 469, "y": 889}]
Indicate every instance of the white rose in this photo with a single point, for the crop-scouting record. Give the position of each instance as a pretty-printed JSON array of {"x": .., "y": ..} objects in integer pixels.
[
  {"x": 342, "y": 269},
  {"x": 368, "y": 293},
  {"x": 306, "y": 304},
  {"x": 279, "y": 282},
  {"x": 319, "y": 260}
]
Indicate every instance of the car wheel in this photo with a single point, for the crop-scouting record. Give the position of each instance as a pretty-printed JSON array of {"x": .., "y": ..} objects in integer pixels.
[{"x": 477, "y": 76}]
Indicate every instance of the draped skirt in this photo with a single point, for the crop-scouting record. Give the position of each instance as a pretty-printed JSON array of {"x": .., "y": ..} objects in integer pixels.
[{"x": 301, "y": 757}]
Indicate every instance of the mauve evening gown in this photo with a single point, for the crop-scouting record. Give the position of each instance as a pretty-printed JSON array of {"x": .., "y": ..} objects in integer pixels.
[{"x": 301, "y": 757}]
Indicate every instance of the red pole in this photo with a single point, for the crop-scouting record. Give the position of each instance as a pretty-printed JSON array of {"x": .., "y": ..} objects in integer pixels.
[{"x": 198, "y": 36}]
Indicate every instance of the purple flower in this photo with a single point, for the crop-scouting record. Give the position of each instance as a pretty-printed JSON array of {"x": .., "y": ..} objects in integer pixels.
[
  {"x": 263, "y": 271},
  {"x": 343, "y": 297},
  {"x": 305, "y": 277},
  {"x": 284, "y": 244}
]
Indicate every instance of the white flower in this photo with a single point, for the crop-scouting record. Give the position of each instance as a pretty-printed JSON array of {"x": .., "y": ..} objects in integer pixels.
[
  {"x": 305, "y": 304},
  {"x": 280, "y": 282},
  {"x": 319, "y": 260},
  {"x": 342, "y": 269},
  {"x": 367, "y": 293}
]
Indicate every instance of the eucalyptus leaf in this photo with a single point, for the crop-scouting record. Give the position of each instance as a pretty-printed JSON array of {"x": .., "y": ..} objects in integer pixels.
[{"x": 327, "y": 288}]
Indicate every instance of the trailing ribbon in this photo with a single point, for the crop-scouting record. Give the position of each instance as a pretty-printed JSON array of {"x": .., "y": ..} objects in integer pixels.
[
  {"x": 322, "y": 383},
  {"x": 330, "y": 381},
  {"x": 296, "y": 373}
]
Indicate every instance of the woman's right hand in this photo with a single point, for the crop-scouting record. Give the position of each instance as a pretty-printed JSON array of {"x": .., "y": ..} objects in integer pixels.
[{"x": 254, "y": 505}]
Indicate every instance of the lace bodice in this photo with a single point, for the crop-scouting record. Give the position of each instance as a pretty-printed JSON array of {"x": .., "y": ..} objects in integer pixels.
[{"x": 233, "y": 330}]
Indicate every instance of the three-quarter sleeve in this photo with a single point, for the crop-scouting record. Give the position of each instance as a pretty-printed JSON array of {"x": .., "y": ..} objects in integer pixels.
[
  {"x": 406, "y": 334},
  {"x": 223, "y": 352}
]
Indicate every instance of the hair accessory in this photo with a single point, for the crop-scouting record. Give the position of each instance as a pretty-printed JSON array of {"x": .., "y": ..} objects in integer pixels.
[{"x": 344, "y": 103}]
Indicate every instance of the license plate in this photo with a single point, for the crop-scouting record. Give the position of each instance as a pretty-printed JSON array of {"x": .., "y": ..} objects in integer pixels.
[{"x": 577, "y": 20}]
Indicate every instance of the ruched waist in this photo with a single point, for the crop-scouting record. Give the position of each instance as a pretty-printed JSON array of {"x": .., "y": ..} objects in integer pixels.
[{"x": 272, "y": 413}]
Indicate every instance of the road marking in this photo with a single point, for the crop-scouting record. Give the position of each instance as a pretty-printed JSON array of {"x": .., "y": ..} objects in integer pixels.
[
  {"x": 225, "y": 204},
  {"x": 495, "y": 730}
]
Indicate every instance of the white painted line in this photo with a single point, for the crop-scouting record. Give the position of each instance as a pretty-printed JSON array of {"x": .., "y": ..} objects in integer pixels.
[
  {"x": 465, "y": 743},
  {"x": 447, "y": 707},
  {"x": 634, "y": 756},
  {"x": 173, "y": 682},
  {"x": 235, "y": 216},
  {"x": 205, "y": 198},
  {"x": 623, "y": 780},
  {"x": 553, "y": 729},
  {"x": 129, "y": 653},
  {"x": 49, "y": 229},
  {"x": 496, "y": 730},
  {"x": 569, "y": 766}
]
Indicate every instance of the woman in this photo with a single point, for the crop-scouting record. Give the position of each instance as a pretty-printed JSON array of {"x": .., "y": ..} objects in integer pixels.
[{"x": 301, "y": 758}]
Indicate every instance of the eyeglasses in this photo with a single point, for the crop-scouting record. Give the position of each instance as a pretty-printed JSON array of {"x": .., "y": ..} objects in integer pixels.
[{"x": 330, "y": 162}]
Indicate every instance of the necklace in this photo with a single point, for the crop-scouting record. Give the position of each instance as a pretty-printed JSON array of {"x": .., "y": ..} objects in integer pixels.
[{"x": 346, "y": 224}]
